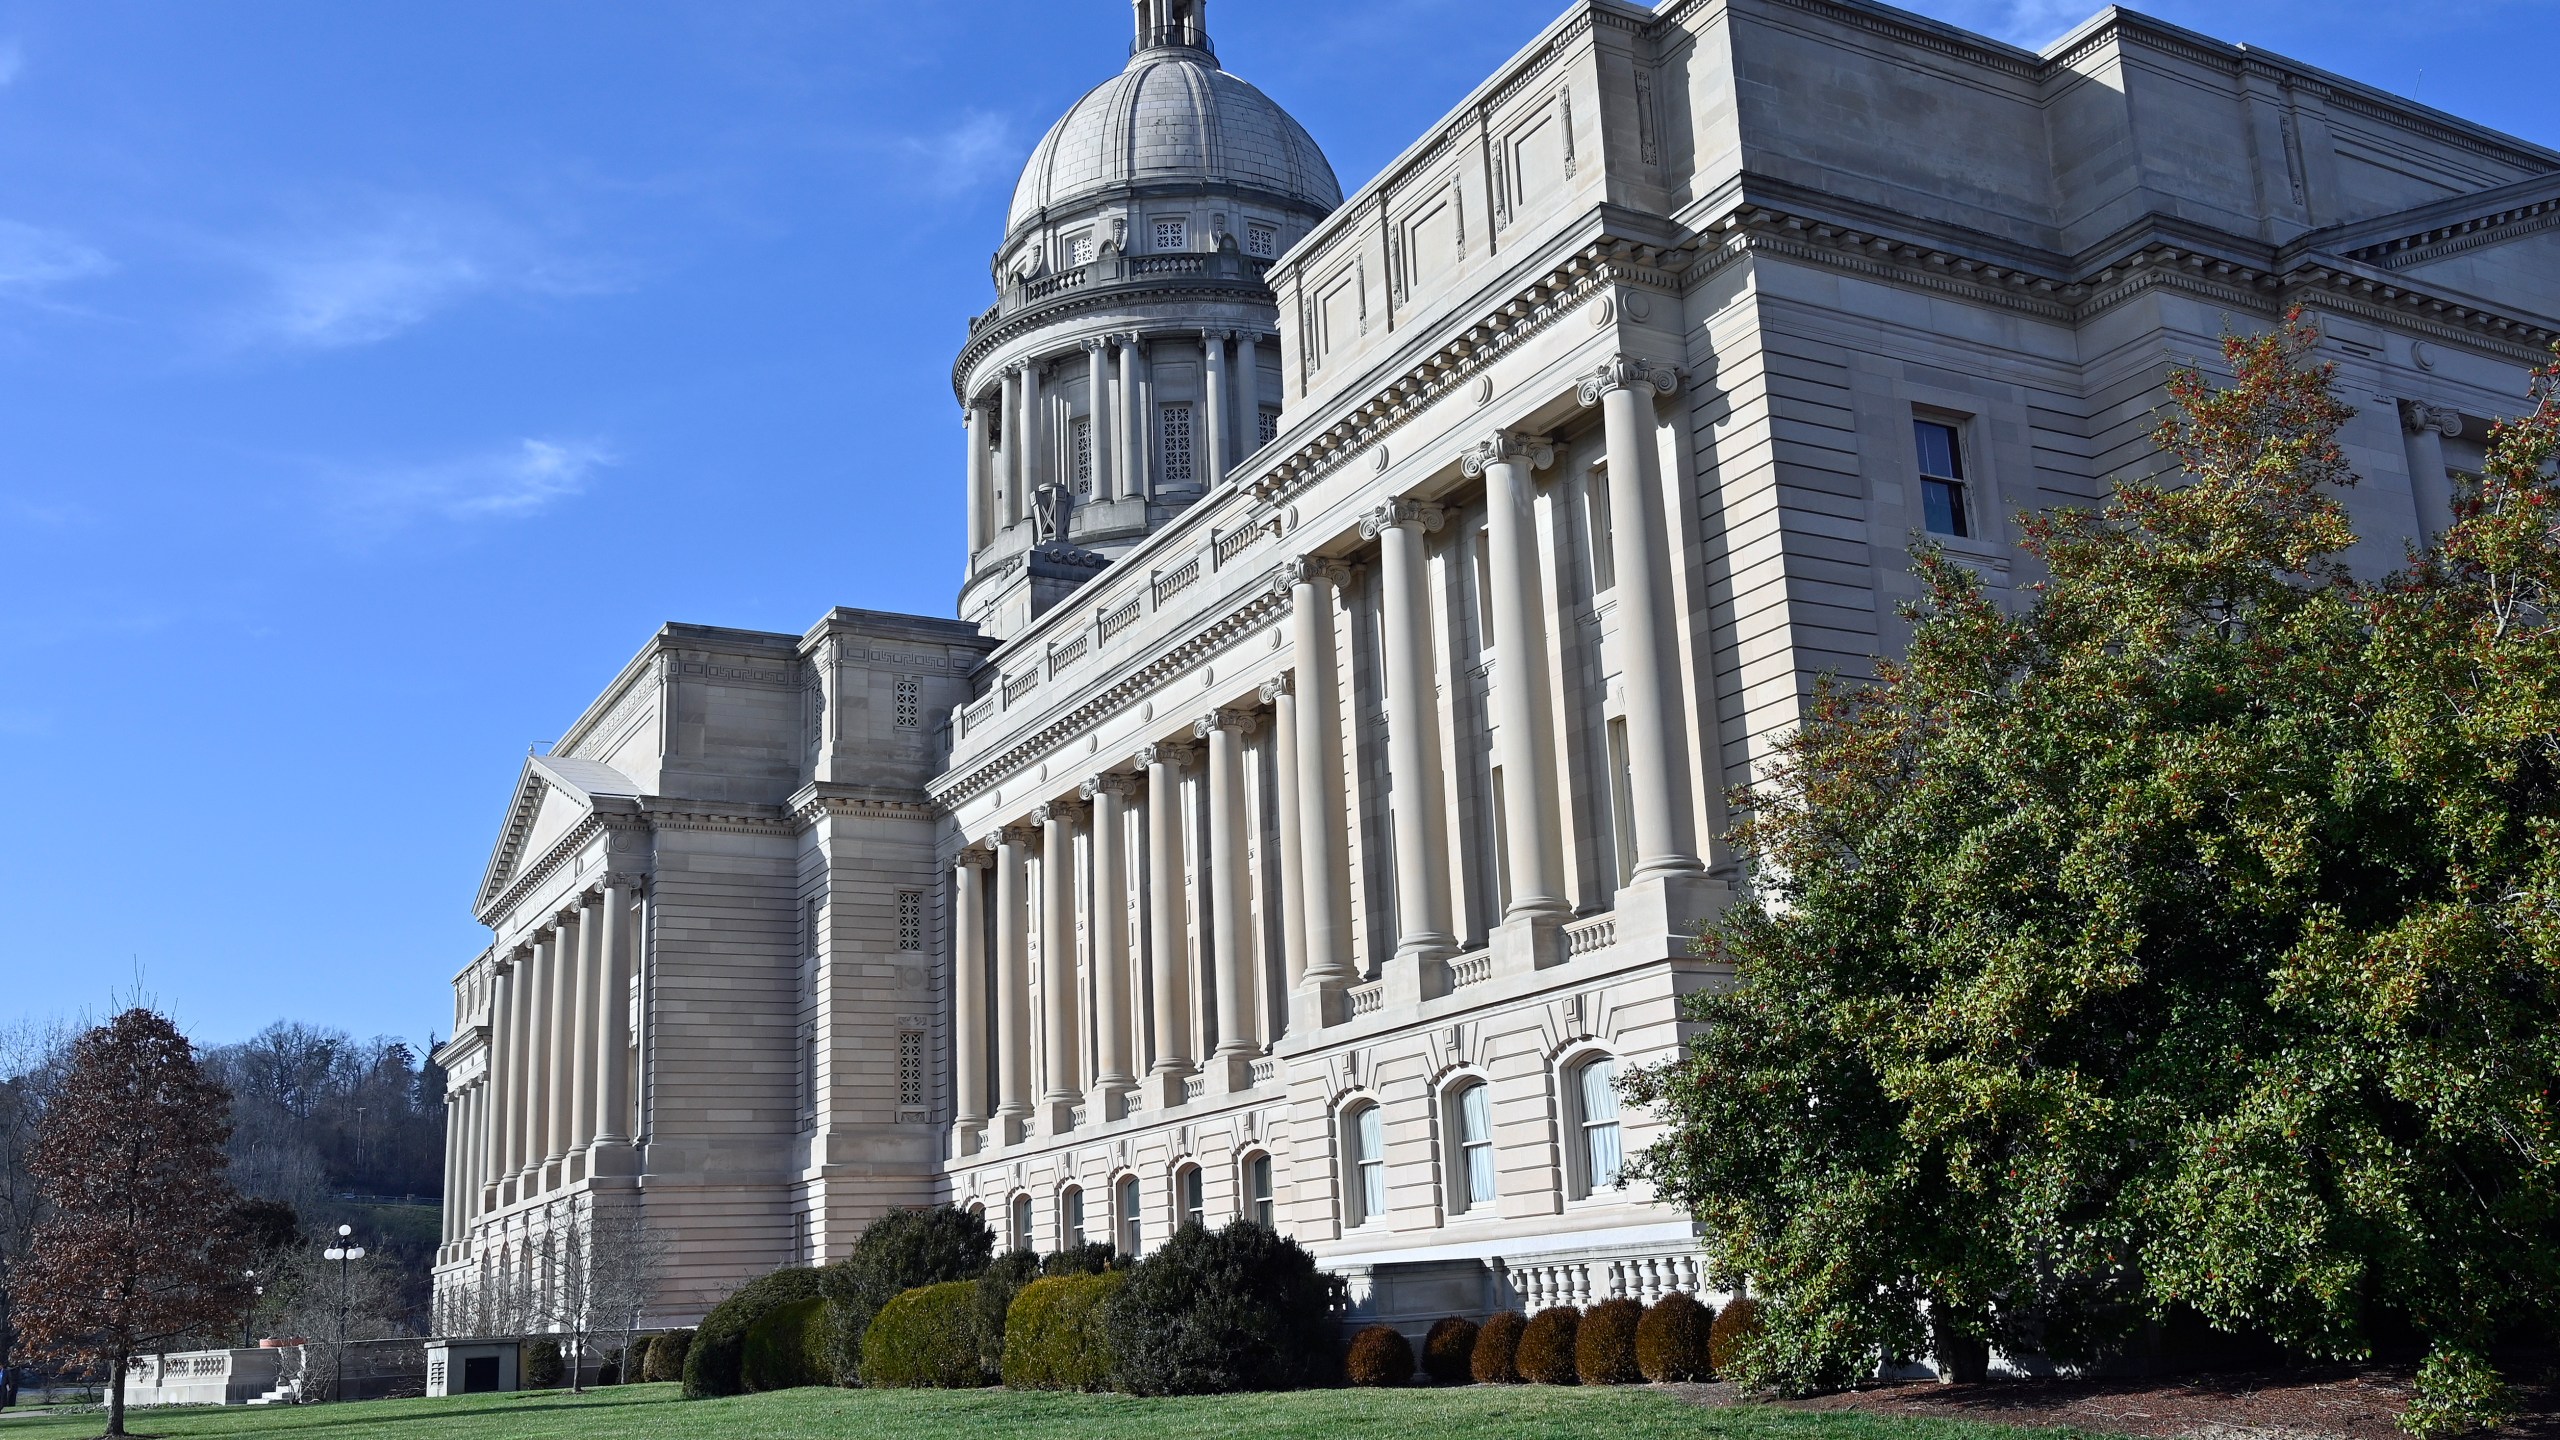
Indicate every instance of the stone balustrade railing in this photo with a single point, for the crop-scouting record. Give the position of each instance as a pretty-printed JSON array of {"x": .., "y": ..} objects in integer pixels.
[{"x": 1541, "y": 1285}]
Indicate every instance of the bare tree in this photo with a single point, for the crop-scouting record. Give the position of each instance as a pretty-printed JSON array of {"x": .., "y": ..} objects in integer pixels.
[
  {"x": 609, "y": 1262},
  {"x": 32, "y": 1058},
  {"x": 331, "y": 1306}
]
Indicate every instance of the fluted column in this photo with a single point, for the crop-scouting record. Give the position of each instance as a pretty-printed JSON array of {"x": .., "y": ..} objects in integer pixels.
[
  {"x": 1523, "y": 707},
  {"x": 1419, "y": 801},
  {"x": 981, "y": 502},
  {"x": 557, "y": 1085},
  {"x": 1281, "y": 695},
  {"x": 1324, "y": 819},
  {"x": 969, "y": 1000},
  {"x": 613, "y": 1154},
  {"x": 1008, "y": 456},
  {"x": 499, "y": 1154},
  {"x": 1013, "y": 981},
  {"x": 1625, "y": 390},
  {"x": 1230, "y": 886},
  {"x": 1168, "y": 921},
  {"x": 1114, "y": 1075},
  {"x": 587, "y": 1024},
  {"x": 1212, "y": 435},
  {"x": 1097, "y": 359},
  {"x": 537, "y": 1064},
  {"x": 451, "y": 1214},
  {"x": 1058, "y": 1011},
  {"x": 1131, "y": 416}
]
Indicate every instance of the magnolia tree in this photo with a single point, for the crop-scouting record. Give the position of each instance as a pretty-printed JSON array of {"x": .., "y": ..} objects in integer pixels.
[
  {"x": 142, "y": 1249},
  {"x": 2181, "y": 945}
]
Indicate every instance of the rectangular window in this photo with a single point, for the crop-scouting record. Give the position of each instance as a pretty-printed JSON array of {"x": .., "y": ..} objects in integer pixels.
[
  {"x": 1601, "y": 1155},
  {"x": 1475, "y": 1142},
  {"x": 1071, "y": 1219},
  {"x": 1174, "y": 423},
  {"x": 1622, "y": 802},
  {"x": 1262, "y": 242},
  {"x": 911, "y": 1069},
  {"x": 1080, "y": 250},
  {"x": 1173, "y": 235},
  {"x": 911, "y": 920},
  {"x": 910, "y": 698},
  {"x": 1604, "y": 539},
  {"x": 1369, "y": 1165},
  {"x": 1266, "y": 428},
  {"x": 1130, "y": 1232},
  {"x": 1257, "y": 1189},
  {"x": 1942, "y": 499},
  {"x": 1194, "y": 1207},
  {"x": 1084, "y": 457}
]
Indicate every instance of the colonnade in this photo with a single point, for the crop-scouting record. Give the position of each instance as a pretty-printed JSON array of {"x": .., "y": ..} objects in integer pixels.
[
  {"x": 1310, "y": 815},
  {"x": 1020, "y": 436}
]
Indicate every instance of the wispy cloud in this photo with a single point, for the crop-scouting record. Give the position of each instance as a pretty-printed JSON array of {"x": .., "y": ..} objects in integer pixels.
[
  {"x": 34, "y": 260},
  {"x": 398, "y": 265},
  {"x": 977, "y": 148},
  {"x": 510, "y": 482}
]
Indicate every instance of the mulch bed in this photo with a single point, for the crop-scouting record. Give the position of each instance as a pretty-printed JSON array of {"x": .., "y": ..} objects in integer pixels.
[{"x": 2284, "y": 1405}]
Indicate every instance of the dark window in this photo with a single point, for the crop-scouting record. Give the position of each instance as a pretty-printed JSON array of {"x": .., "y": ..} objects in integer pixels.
[
  {"x": 1257, "y": 1186},
  {"x": 1187, "y": 1188},
  {"x": 1942, "y": 501},
  {"x": 480, "y": 1375}
]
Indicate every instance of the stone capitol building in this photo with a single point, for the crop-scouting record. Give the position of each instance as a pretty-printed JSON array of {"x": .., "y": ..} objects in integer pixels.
[{"x": 1369, "y": 601}]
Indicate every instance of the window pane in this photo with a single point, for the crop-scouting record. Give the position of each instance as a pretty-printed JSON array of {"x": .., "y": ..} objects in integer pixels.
[
  {"x": 1479, "y": 1175},
  {"x": 1942, "y": 508},
  {"x": 1602, "y": 1143},
  {"x": 1599, "y": 1094},
  {"x": 1475, "y": 1115},
  {"x": 1191, "y": 1202},
  {"x": 1940, "y": 455},
  {"x": 1372, "y": 1135},
  {"x": 1128, "y": 1207},
  {"x": 1373, "y": 1190},
  {"x": 1071, "y": 1218},
  {"x": 1259, "y": 1185}
]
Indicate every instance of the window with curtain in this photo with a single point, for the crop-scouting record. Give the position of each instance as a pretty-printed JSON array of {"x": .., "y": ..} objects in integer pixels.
[
  {"x": 1257, "y": 1191},
  {"x": 1596, "y": 1105},
  {"x": 1368, "y": 1135},
  {"x": 1127, "y": 1206},
  {"x": 1186, "y": 1188},
  {"x": 1474, "y": 1117}
]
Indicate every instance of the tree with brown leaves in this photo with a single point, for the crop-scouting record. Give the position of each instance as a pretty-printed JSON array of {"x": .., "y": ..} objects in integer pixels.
[{"x": 141, "y": 1250}]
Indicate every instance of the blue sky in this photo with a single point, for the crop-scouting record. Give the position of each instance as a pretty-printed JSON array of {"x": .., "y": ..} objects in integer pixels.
[{"x": 375, "y": 377}]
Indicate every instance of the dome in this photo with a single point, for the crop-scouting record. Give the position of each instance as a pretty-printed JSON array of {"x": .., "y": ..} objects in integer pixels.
[{"x": 1173, "y": 115}]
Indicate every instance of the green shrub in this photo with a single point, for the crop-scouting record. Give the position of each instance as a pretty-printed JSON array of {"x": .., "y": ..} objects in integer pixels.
[
  {"x": 1739, "y": 1325},
  {"x": 1379, "y": 1356},
  {"x": 609, "y": 1368},
  {"x": 1091, "y": 1259},
  {"x": 931, "y": 1338},
  {"x": 788, "y": 1348},
  {"x": 1496, "y": 1360},
  {"x": 1671, "y": 1340},
  {"x": 542, "y": 1367},
  {"x": 1006, "y": 1276},
  {"x": 1220, "y": 1311},
  {"x": 667, "y": 1356},
  {"x": 1449, "y": 1350},
  {"x": 712, "y": 1367},
  {"x": 898, "y": 1252},
  {"x": 1604, "y": 1347},
  {"x": 1546, "y": 1347},
  {"x": 1055, "y": 1338}
]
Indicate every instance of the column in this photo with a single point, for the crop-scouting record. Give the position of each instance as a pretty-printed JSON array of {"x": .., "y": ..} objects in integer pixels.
[
  {"x": 1523, "y": 709},
  {"x": 2423, "y": 428},
  {"x": 1230, "y": 919},
  {"x": 981, "y": 503},
  {"x": 587, "y": 1023},
  {"x": 498, "y": 1152},
  {"x": 1211, "y": 438},
  {"x": 560, "y": 1057},
  {"x": 1132, "y": 419},
  {"x": 1097, "y": 363},
  {"x": 1323, "y": 815},
  {"x": 1029, "y": 447},
  {"x": 1114, "y": 1076},
  {"x": 969, "y": 1000},
  {"x": 1418, "y": 803},
  {"x": 1625, "y": 390},
  {"x": 1063, "y": 1082},
  {"x": 532, "y": 1078},
  {"x": 481, "y": 1169},
  {"x": 613, "y": 1154},
  {"x": 1280, "y": 694},
  {"x": 453, "y": 1176},
  {"x": 1013, "y": 982},
  {"x": 1168, "y": 921}
]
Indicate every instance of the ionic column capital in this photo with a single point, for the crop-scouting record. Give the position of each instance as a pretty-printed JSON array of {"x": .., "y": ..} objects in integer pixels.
[
  {"x": 1314, "y": 570},
  {"x": 1419, "y": 513},
  {"x": 1095, "y": 345},
  {"x": 1176, "y": 753},
  {"x": 1022, "y": 835},
  {"x": 2417, "y": 417},
  {"x": 1109, "y": 783},
  {"x": 1629, "y": 372},
  {"x": 1508, "y": 447},
  {"x": 1065, "y": 809},
  {"x": 977, "y": 858},
  {"x": 1243, "y": 722},
  {"x": 1277, "y": 686}
]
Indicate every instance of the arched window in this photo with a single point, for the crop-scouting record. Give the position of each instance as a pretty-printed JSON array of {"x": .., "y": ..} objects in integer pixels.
[
  {"x": 1071, "y": 1218},
  {"x": 1020, "y": 1239},
  {"x": 1126, "y": 1204},
  {"x": 1592, "y": 1086},
  {"x": 1257, "y": 1192},
  {"x": 1365, "y": 1137},
  {"x": 1188, "y": 1208},
  {"x": 1471, "y": 1166}
]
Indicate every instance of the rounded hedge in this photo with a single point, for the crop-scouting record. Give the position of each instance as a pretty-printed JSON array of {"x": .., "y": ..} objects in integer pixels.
[
  {"x": 900, "y": 1251},
  {"x": 1006, "y": 1276},
  {"x": 542, "y": 1367},
  {"x": 667, "y": 1356},
  {"x": 1604, "y": 1347},
  {"x": 928, "y": 1338},
  {"x": 713, "y": 1366},
  {"x": 1737, "y": 1327},
  {"x": 1449, "y": 1351},
  {"x": 1379, "y": 1356},
  {"x": 1055, "y": 1337},
  {"x": 1671, "y": 1340},
  {"x": 789, "y": 1348},
  {"x": 1546, "y": 1347},
  {"x": 1213, "y": 1312},
  {"x": 635, "y": 1360},
  {"x": 1496, "y": 1360}
]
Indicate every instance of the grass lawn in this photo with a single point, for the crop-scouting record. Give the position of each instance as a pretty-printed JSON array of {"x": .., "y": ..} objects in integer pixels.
[{"x": 642, "y": 1412}]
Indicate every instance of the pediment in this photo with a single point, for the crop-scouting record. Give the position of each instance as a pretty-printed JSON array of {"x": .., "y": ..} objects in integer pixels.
[{"x": 554, "y": 794}]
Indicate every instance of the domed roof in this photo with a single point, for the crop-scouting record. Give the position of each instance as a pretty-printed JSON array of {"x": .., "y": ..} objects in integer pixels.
[{"x": 1174, "y": 115}]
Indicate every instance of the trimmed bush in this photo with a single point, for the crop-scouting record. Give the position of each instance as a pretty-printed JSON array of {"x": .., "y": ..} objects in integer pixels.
[
  {"x": 1449, "y": 1350},
  {"x": 635, "y": 1361},
  {"x": 1055, "y": 1338},
  {"x": 1671, "y": 1340},
  {"x": 609, "y": 1368},
  {"x": 1380, "y": 1356},
  {"x": 1006, "y": 1276},
  {"x": 1092, "y": 1259},
  {"x": 790, "y": 1348},
  {"x": 898, "y": 1252},
  {"x": 1738, "y": 1326},
  {"x": 667, "y": 1356},
  {"x": 1546, "y": 1347},
  {"x": 542, "y": 1367},
  {"x": 1496, "y": 1360},
  {"x": 1604, "y": 1347},
  {"x": 712, "y": 1368},
  {"x": 928, "y": 1338},
  {"x": 1213, "y": 1312}
]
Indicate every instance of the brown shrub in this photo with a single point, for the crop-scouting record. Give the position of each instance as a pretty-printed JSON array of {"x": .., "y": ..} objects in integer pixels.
[
  {"x": 1380, "y": 1356},
  {"x": 1604, "y": 1348},
  {"x": 1496, "y": 1357},
  {"x": 1546, "y": 1347},
  {"x": 1449, "y": 1350},
  {"x": 1671, "y": 1340},
  {"x": 1737, "y": 1326}
]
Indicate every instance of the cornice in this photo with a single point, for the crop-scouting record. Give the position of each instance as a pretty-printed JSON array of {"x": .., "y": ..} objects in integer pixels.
[
  {"x": 824, "y": 801},
  {"x": 2438, "y": 242},
  {"x": 1260, "y": 603},
  {"x": 1048, "y": 313},
  {"x": 530, "y": 877}
]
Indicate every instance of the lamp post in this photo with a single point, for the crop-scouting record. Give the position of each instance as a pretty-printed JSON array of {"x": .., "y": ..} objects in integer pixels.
[
  {"x": 345, "y": 1254},
  {"x": 249, "y": 1316}
]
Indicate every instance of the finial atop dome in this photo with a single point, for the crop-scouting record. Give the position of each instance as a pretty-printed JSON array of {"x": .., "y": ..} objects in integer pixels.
[{"x": 1173, "y": 25}]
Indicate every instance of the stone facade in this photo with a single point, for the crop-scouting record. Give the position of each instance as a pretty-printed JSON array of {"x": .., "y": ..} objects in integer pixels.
[{"x": 1258, "y": 818}]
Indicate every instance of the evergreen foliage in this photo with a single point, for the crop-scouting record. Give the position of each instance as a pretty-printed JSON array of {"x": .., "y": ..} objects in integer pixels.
[
  {"x": 1546, "y": 1347},
  {"x": 714, "y": 1363},
  {"x": 1671, "y": 1340},
  {"x": 1738, "y": 1327},
  {"x": 667, "y": 1354},
  {"x": 1496, "y": 1360},
  {"x": 1380, "y": 1356},
  {"x": 898, "y": 1252},
  {"x": 1005, "y": 1277},
  {"x": 1055, "y": 1337},
  {"x": 1449, "y": 1351},
  {"x": 1215, "y": 1311},
  {"x": 1604, "y": 1346},
  {"x": 932, "y": 1337},
  {"x": 789, "y": 1347},
  {"x": 542, "y": 1367}
]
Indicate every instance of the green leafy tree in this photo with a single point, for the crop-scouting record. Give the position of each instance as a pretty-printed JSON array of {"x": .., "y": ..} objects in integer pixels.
[{"x": 2164, "y": 947}]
